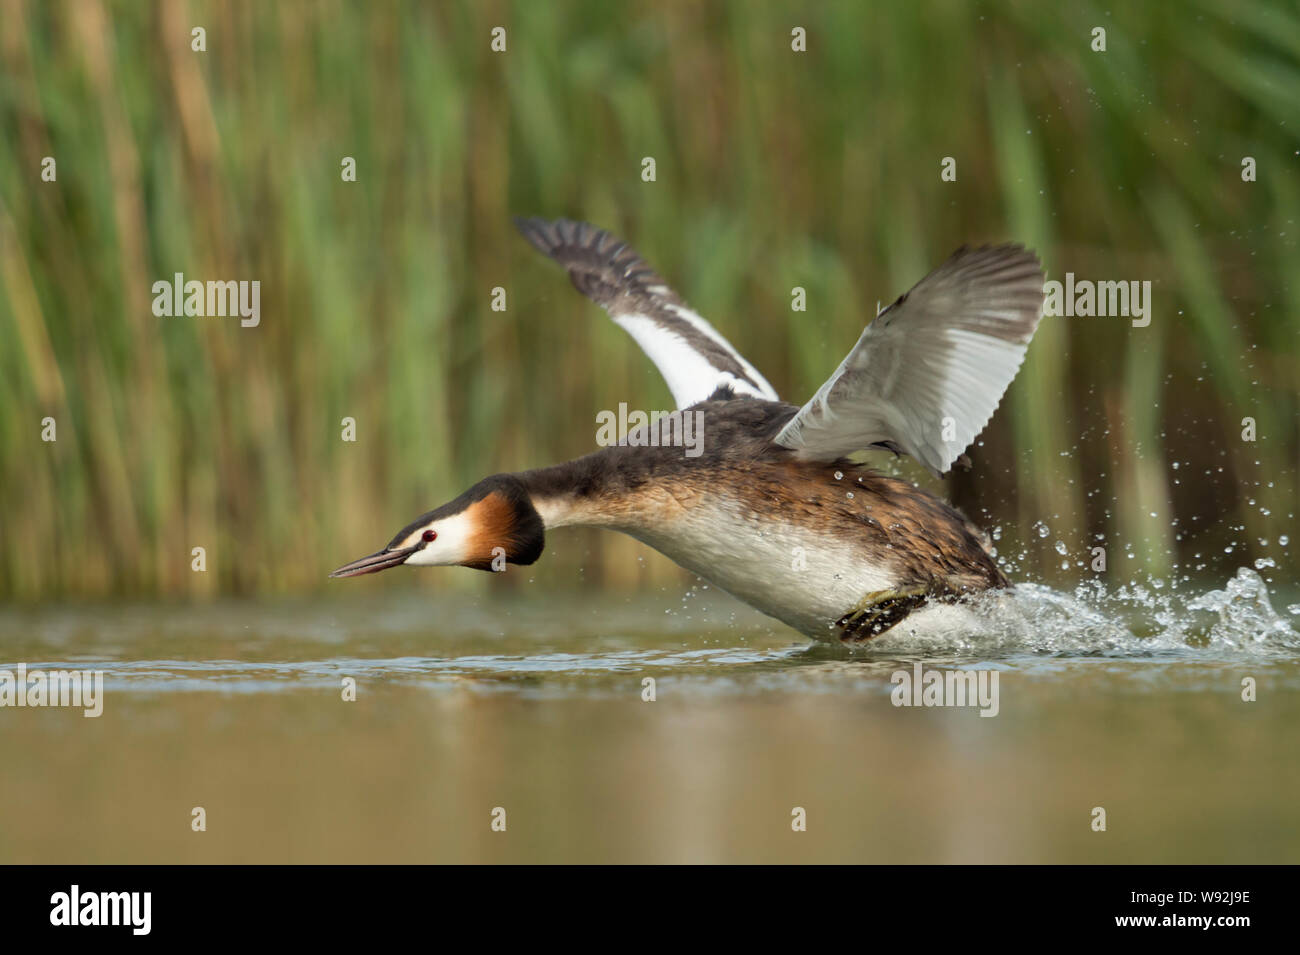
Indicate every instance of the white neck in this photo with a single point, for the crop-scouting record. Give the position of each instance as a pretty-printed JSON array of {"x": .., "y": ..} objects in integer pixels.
[{"x": 559, "y": 512}]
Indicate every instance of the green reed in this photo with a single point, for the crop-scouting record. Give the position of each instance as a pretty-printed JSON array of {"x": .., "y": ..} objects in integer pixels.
[{"x": 775, "y": 169}]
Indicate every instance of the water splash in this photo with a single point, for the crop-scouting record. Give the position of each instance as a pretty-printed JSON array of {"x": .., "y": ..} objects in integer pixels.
[
  {"x": 1247, "y": 619},
  {"x": 1132, "y": 620}
]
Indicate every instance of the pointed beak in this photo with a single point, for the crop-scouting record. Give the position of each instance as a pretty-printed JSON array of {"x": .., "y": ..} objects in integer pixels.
[{"x": 381, "y": 560}]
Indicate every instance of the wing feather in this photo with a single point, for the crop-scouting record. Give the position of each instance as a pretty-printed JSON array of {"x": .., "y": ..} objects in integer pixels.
[
  {"x": 693, "y": 358},
  {"x": 927, "y": 374}
]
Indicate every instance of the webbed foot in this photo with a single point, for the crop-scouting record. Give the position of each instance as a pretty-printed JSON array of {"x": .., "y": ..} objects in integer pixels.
[{"x": 878, "y": 611}]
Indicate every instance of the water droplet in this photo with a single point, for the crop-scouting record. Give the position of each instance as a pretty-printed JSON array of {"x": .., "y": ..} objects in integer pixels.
[
  {"x": 1060, "y": 547},
  {"x": 1041, "y": 529},
  {"x": 839, "y": 475}
]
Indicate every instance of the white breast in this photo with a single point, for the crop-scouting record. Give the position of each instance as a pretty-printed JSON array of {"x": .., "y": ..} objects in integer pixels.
[{"x": 804, "y": 579}]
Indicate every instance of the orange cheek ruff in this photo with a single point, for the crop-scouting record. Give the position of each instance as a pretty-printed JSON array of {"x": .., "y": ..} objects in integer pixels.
[{"x": 493, "y": 521}]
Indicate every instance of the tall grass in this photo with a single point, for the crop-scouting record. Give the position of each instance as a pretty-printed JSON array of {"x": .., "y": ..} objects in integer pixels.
[{"x": 774, "y": 169}]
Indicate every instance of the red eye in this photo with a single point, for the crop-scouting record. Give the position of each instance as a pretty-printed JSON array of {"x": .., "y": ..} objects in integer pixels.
[{"x": 429, "y": 536}]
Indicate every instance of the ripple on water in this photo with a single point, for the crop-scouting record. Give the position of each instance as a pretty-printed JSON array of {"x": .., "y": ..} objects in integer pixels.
[{"x": 1136, "y": 634}]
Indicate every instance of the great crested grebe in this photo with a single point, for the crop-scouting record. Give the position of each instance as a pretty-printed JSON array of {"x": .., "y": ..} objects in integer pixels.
[{"x": 769, "y": 507}]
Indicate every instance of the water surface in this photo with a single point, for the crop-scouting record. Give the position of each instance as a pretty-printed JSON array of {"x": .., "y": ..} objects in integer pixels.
[{"x": 1130, "y": 701}]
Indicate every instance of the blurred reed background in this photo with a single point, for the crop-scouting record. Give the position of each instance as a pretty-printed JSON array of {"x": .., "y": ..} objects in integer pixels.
[{"x": 775, "y": 169}]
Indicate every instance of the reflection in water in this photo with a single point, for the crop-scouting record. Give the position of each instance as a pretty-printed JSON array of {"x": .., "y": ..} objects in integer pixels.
[{"x": 1131, "y": 700}]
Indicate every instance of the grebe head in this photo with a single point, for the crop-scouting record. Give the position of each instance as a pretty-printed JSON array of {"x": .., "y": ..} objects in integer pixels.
[{"x": 490, "y": 525}]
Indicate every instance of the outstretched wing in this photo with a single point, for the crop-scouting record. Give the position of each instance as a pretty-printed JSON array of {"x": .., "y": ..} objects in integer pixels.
[
  {"x": 693, "y": 358},
  {"x": 929, "y": 371}
]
